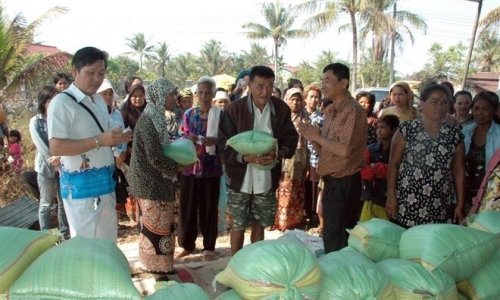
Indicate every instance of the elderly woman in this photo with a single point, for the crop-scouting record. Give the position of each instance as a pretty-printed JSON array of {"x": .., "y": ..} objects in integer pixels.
[
  {"x": 200, "y": 185},
  {"x": 151, "y": 177},
  {"x": 462, "y": 104},
  {"x": 426, "y": 165},
  {"x": 291, "y": 189},
  {"x": 401, "y": 97},
  {"x": 482, "y": 139}
]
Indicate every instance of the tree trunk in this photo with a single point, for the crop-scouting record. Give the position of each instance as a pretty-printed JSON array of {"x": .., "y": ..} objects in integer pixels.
[
  {"x": 275, "y": 61},
  {"x": 393, "y": 40},
  {"x": 354, "y": 50}
]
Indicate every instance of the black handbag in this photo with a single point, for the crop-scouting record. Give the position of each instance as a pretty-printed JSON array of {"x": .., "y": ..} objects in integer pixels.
[{"x": 121, "y": 187}]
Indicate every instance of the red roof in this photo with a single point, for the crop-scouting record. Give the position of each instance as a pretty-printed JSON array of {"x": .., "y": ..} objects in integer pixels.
[
  {"x": 486, "y": 80},
  {"x": 288, "y": 68},
  {"x": 46, "y": 50}
]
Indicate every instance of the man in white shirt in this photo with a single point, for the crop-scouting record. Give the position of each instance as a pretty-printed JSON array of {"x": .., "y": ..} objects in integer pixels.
[
  {"x": 87, "y": 161},
  {"x": 251, "y": 192}
]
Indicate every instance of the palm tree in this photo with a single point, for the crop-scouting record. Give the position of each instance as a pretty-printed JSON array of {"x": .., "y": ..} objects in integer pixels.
[
  {"x": 279, "y": 22},
  {"x": 212, "y": 60},
  {"x": 139, "y": 46},
  {"x": 257, "y": 56},
  {"x": 487, "y": 51},
  {"x": 15, "y": 36},
  {"x": 183, "y": 68},
  {"x": 491, "y": 18},
  {"x": 384, "y": 27},
  {"x": 328, "y": 14},
  {"x": 161, "y": 56}
]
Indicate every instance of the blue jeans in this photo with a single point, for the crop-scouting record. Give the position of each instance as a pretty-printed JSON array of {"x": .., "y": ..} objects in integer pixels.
[{"x": 49, "y": 188}]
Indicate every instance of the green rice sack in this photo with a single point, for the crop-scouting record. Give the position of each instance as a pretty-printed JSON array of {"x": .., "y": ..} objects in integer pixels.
[
  {"x": 487, "y": 220},
  {"x": 182, "y": 151},
  {"x": 457, "y": 250},
  {"x": 483, "y": 284},
  {"x": 377, "y": 239},
  {"x": 229, "y": 295},
  {"x": 252, "y": 142},
  {"x": 411, "y": 281},
  {"x": 350, "y": 275},
  {"x": 175, "y": 290},
  {"x": 273, "y": 269},
  {"x": 19, "y": 248},
  {"x": 79, "y": 268}
]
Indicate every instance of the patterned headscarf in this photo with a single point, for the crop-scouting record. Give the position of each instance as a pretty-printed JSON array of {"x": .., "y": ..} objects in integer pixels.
[
  {"x": 156, "y": 93},
  {"x": 185, "y": 93}
]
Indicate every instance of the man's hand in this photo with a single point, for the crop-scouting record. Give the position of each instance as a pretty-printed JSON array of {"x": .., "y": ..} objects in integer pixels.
[
  {"x": 127, "y": 135},
  {"x": 112, "y": 137},
  {"x": 263, "y": 159},
  {"x": 54, "y": 160},
  {"x": 310, "y": 132}
]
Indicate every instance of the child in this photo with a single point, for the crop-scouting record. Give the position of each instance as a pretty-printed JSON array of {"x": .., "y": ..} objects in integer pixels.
[
  {"x": 374, "y": 175},
  {"x": 16, "y": 157}
]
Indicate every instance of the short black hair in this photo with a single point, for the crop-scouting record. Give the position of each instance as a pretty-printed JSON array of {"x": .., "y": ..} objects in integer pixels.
[
  {"x": 491, "y": 97},
  {"x": 60, "y": 76},
  {"x": 460, "y": 93},
  {"x": 431, "y": 88},
  {"x": 391, "y": 120},
  {"x": 293, "y": 81},
  {"x": 87, "y": 56},
  {"x": 370, "y": 96},
  {"x": 261, "y": 71},
  {"x": 15, "y": 133},
  {"x": 44, "y": 95},
  {"x": 341, "y": 71}
]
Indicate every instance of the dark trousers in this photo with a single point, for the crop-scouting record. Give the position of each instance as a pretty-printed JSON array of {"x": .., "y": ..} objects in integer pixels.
[
  {"x": 341, "y": 209},
  {"x": 30, "y": 177},
  {"x": 311, "y": 198},
  {"x": 199, "y": 203}
]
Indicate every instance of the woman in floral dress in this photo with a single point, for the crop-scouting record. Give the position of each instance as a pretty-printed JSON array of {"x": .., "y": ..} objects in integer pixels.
[{"x": 426, "y": 166}]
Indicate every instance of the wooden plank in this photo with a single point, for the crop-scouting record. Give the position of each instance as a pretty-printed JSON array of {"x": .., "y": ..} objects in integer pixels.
[{"x": 22, "y": 213}]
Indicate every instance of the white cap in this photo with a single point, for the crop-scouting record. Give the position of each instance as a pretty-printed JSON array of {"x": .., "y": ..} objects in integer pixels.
[
  {"x": 221, "y": 95},
  {"x": 106, "y": 84}
]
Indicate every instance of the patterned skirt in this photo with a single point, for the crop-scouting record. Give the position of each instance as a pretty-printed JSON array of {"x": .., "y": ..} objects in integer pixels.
[
  {"x": 290, "y": 195},
  {"x": 156, "y": 238}
]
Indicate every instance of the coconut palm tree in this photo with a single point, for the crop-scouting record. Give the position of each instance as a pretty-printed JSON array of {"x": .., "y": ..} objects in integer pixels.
[
  {"x": 15, "y": 36},
  {"x": 139, "y": 46},
  {"x": 491, "y": 18},
  {"x": 327, "y": 14},
  {"x": 161, "y": 56},
  {"x": 213, "y": 60},
  {"x": 487, "y": 51},
  {"x": 279, "y": 23}
]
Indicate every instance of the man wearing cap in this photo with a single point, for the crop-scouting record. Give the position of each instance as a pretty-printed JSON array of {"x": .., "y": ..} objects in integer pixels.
[
  {"x": 341, "y": 146},
  {"x": 221, "y": 100},
  {"x": 251, "y": 190}
]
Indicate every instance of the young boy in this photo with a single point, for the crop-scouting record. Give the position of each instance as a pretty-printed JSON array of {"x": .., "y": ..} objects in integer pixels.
[{"x": 374, "y": 175}]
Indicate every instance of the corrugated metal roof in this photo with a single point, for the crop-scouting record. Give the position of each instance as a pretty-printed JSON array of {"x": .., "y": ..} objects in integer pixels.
[{"x": 22, "y": 213}]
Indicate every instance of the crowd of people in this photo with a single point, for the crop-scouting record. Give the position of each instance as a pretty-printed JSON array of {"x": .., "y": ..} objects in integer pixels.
[{"x": 337, "y": 160}]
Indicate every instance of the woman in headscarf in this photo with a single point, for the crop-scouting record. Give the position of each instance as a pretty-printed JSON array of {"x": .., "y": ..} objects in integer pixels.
[
  {"x": 184, "y": 102},
  {"x": 200, "y": 184},
  {"x": 291, "y": 190},
  {"x": 132, "y": 111},
  {"x": 151, "y": 177}
]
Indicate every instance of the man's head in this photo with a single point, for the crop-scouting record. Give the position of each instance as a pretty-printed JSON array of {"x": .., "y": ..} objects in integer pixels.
[
  {"x": 88, "y": 67},
  {"x": 261, "y": 84},
  {"x": 335, "y": 81}
]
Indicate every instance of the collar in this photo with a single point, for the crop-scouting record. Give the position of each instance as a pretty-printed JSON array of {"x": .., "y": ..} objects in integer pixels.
[
  {"x": 77, "y": 93},
  {"x": 251, "y": 104},
  {"x": 339, "y": 106}
]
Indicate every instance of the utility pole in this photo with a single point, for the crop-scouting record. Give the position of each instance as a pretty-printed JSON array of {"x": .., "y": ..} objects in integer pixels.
[
  {"x": 393, "y": 40},
  {"x": 473, "y": 37}
]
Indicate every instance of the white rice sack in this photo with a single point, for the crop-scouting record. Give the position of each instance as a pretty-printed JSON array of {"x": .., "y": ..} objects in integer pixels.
[
  {"x": 79, "y": 268},
  {"x": 175, "y": 290},
  {"x": 377, "y": 239},
  {"x": 273, "y": 269},
  {"x": 487, "y": 220},
  {"x": 411, "y": 281},
  {"x": 483, "y": 284},
  {"x": 348, "y": 275},
  {"x": 457, "y": 250}
]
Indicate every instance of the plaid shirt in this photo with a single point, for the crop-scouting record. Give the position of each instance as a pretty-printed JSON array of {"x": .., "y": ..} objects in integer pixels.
[{"x": 315, "y": 118}]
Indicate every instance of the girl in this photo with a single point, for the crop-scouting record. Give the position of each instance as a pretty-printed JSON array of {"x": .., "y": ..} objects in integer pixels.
[
  {"x": 374, "y": 175},
  {"x": 16, "y": 157}
]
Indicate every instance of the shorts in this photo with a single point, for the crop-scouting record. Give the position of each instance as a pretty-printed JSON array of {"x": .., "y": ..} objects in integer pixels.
[{"x": 245, "y": 209}]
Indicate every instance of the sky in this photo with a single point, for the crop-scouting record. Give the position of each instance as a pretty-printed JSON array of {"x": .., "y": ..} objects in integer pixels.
[{"x": 187, "y": 25}]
